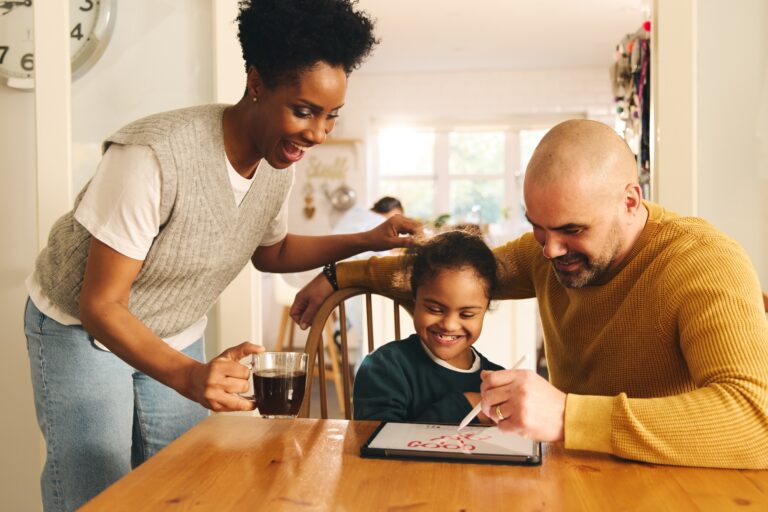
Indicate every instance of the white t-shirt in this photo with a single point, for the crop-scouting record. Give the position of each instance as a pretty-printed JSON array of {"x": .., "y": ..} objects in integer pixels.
[{"x": 121, "y": 208}]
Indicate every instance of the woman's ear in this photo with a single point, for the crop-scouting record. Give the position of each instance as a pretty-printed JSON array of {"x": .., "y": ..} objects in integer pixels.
[{"x": 254, "y": 84}]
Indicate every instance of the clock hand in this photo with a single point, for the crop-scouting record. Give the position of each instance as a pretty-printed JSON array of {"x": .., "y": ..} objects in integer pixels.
[{"x": 9, "y": 5}]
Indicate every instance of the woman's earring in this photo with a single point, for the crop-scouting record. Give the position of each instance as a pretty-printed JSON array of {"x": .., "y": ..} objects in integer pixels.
[{"x": 255, "y": 99}]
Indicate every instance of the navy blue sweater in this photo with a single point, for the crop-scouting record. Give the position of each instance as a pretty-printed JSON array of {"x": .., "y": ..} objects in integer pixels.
[{"x": 399, "y": 382}]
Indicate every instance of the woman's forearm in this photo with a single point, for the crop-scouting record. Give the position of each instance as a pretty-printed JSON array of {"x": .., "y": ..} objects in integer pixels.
[
  {"x": 297, "y": 253},
  {"x": 129, "y": 339}
]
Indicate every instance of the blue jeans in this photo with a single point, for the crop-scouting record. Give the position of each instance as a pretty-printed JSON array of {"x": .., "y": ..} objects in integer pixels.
[{"x": 99, "y": 416}]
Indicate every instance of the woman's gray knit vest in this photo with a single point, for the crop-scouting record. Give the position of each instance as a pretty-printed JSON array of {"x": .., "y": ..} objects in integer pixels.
[{"x": 205, "y": 240}]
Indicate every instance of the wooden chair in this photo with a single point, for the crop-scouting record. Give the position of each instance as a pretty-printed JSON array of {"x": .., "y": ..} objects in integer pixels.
[
  {"x": 317, "y": 344},
  {"x": 283, "y": 294}
]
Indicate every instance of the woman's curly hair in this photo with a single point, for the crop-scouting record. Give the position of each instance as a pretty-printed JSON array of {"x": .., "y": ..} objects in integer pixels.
[
  {"x": 453, "y": 250},
  {"x": 283, "y": 38}
]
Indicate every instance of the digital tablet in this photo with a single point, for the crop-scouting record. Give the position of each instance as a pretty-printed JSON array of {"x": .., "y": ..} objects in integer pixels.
[{"x": 445, "y": 443}]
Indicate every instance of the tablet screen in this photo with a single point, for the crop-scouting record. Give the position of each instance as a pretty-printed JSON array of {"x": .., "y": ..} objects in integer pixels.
[{"x": 446, "y": 439}]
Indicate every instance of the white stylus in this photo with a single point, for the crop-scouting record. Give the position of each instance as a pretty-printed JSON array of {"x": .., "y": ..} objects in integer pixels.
[{"x": 476, "y": 409}]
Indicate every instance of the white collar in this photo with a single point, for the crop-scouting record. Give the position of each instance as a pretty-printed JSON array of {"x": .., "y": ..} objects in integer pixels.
[{"x": 445, "y": 364}]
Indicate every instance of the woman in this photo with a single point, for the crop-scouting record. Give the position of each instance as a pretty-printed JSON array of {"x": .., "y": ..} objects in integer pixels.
[{"x": 179, "y": 204}]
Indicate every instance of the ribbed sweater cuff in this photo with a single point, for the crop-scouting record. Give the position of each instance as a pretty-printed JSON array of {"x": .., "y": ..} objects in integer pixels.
[
  {"x": 377, "y": 273},
  {"x": 588, "y": 423},
  {"x": 351, "y": 273}
]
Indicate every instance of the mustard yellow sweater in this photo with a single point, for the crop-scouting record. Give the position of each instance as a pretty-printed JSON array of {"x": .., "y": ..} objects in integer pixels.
[{"x": 665, "y": 361}]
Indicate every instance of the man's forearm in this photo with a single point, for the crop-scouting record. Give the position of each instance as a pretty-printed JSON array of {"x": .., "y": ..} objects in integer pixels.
[{"x": 382, "y": 274}]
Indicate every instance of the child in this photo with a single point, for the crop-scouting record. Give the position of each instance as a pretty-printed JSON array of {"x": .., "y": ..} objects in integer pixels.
[{"x": 434, "y": 375}]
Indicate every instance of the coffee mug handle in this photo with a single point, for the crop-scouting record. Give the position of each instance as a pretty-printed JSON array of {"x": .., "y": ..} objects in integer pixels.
[{"x": 250, "y": 394}]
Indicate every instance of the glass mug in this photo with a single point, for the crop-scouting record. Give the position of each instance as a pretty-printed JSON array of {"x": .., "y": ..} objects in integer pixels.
[{"x": 279, "y": 380}]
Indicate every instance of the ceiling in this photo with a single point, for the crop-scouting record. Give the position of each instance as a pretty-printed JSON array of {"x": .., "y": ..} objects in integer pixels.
[{"x": 447, "y": 35}]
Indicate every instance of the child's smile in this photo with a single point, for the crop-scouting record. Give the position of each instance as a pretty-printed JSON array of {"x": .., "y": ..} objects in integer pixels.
[{"x": 445, "y": 339}]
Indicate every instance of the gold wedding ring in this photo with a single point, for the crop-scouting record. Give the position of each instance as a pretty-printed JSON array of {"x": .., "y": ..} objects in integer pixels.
[{"x": 499, "y": 414}]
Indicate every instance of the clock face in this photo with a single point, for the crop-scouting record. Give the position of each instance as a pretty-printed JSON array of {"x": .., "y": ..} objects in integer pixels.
[{"x": 90, "y": 23}]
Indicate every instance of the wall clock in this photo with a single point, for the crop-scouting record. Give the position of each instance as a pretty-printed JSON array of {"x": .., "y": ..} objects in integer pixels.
[{"x": 91, "y": 23}]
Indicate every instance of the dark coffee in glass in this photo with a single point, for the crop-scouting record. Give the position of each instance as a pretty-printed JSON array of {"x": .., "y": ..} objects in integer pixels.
[
  {"x": 278, "y": 393},
  {"x": 279, "y": 379}
]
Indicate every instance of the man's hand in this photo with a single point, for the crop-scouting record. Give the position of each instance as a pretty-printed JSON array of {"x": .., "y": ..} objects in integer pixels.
[
  {"x": 386, "y": 235},
  {"x": 308, "y": 300},
  {"x": 215, "y": 384},
  {"x": 531, "y": 406}
]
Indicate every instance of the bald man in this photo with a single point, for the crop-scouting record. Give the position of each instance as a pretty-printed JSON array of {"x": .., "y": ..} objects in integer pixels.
[{"x": 655, "y": 334}]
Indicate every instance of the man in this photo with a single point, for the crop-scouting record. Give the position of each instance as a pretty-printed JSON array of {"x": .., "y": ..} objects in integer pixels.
[{"x": 654, "y": 328}]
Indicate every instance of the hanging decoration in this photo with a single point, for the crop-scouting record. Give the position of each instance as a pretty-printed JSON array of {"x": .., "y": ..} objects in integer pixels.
[
  {"x": 326, "y": 171},
  {"x": 309, "y": 201},
  {"x": 631, "y": 84}
]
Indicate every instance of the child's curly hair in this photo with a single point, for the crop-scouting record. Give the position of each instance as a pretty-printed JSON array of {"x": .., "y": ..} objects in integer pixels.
[
  {"x": 283, "y": 38},
  {"x": 454, "y": 250}
]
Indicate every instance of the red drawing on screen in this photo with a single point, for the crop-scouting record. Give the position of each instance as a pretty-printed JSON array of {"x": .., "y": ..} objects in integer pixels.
[{"x": 451, "y": 442}]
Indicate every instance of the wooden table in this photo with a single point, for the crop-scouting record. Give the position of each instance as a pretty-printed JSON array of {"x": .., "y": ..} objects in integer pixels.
[{"x": 245, "y": 463}]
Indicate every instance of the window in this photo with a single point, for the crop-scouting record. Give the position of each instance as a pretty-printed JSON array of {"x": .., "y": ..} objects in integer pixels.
[{"x": 473, "y": 173}]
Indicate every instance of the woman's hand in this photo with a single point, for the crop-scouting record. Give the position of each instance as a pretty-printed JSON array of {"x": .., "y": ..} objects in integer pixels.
[
  {"x": 387, "y": 235},
  {"x": 214, "y": 385}
]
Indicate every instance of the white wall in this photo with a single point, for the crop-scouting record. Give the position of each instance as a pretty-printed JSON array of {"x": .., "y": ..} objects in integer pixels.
[
  {"x": 732, "y": 109},
  {"x": 22, "y": 449},
  {"x": 159, "y": 58},
  {"x": 674, "y": 181}
]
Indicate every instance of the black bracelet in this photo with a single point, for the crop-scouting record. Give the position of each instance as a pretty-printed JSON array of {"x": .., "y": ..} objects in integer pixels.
[{"x": 329, "y": 271}]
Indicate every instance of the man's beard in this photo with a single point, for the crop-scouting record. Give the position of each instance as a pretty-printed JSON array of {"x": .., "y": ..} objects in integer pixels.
[{"x": 591, "y": 270}]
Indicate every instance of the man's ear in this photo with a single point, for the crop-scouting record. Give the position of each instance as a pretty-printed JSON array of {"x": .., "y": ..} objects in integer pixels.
[
  {"x": 633, "y": 198},
  {"x": 254, "y": 84}
]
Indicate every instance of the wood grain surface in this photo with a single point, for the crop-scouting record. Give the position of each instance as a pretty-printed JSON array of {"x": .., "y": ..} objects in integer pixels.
[{"x": 246, "y": 463}]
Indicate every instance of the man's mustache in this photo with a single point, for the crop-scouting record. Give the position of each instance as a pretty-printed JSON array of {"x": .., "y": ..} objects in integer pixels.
[{"x": 570, "y": 257}]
